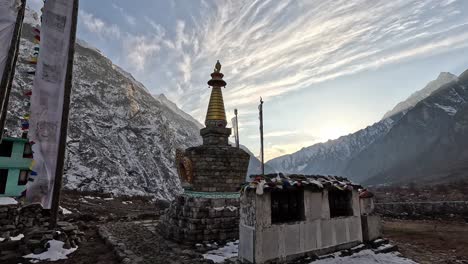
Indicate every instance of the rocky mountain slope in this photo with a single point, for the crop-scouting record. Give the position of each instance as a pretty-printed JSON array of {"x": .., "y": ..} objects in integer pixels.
[
  {"x": 121, "y": 139},
  {"x": 429, "y": 143},
  {"x": 444, "y": 78},
  {"x": 356, "y": 155}
]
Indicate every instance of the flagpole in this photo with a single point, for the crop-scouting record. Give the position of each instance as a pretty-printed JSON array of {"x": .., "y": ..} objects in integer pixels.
[
  {"x": 260, "y": 107},
  {"x": 64, "y": 123},
  {"x": 9, "y": 72},
  {"x": 237, "y": 129}
]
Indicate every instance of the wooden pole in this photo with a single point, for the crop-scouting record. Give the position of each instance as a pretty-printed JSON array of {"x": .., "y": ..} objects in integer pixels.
[
  {"x": 237, "y": 129},
  {"x": 260, "y": 107},
  {"x": 9, "y": 72},
  {"x": 64, "y": 125}
]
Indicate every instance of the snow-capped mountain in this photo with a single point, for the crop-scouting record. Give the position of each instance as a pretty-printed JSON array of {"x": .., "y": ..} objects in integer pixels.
[
  {"x": 332, "y": 157},
  {"x": 121, "y": 139},
  {"x": 428, "y": 144},
  {"x": 444, "y": 78},
  {"x": 357, "y": 155}
]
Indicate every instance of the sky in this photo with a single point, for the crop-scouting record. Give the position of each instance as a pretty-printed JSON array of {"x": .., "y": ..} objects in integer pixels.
[{"x": 324, "y": 68}]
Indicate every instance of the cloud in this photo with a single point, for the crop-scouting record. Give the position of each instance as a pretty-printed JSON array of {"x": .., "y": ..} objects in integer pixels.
[
  {"x": 139, "y": 49},
  {"x": 98, "y": 26},
  {"x": 130, "y": 19}
]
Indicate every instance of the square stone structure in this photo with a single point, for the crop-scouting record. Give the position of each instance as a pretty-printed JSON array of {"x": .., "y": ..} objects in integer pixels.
[
  {"x": 217, "y": 168},
  {"x": 211, "y": 175},
  {"x": 324, "y": 217}
]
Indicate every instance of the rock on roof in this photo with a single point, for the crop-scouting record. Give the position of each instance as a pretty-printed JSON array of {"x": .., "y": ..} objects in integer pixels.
[{"x": 281, "y": 181}]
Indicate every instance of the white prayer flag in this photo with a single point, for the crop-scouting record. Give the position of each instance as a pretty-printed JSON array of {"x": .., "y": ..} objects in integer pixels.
[
  {"x": 234, "y": 127},
  {"x": 47, "y": 99}
]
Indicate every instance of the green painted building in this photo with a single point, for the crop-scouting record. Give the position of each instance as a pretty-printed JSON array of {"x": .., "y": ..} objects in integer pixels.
[{"x": 15, "y": 159}]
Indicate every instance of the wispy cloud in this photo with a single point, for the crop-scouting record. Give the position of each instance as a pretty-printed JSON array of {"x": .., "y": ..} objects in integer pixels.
[
  {"x": 271, "y": 48},
  {"x": 130, "y": 19},
  {"x": 98, "y": 26}
]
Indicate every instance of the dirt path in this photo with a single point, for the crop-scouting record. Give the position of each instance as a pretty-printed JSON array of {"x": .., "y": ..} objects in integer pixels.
[{"x": 429, "y": 242}]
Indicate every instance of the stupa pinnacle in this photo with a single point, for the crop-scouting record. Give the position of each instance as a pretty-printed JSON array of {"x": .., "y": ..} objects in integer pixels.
[
  {"x": 216, "y": 115},
  {"x": 216, "y": 132}
]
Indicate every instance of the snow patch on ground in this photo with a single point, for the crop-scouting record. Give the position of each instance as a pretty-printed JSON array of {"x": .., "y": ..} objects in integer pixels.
[
  {"x": 367, "y": 257},
  {"x": 65, "y": 211},
  {"x": 448, "y": 109},
  {"x": 54, "y": 252},
  {"x": 7, "y": 201},
  {"x": 230, "y": 250},
  {"x": 17, "y": 238}
]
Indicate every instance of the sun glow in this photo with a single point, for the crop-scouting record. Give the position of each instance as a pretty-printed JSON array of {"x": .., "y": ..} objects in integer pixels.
[{"x": 333, "y": 132}]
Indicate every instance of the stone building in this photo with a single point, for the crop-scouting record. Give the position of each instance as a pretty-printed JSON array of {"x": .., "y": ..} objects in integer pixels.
[
  {"x": 15, "y": 159},
  {"x": 286, "y": 217},
  {"x": 211, "y": 175}
]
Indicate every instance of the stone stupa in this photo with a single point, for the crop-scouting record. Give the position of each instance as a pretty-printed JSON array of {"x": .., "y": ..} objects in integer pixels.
[{"x": 211, "y": 175}]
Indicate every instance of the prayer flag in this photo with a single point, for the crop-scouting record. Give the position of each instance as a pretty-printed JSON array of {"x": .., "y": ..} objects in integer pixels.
[{"x": 52, "y": 84}]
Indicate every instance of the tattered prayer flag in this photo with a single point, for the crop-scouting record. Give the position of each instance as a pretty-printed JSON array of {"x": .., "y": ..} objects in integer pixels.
[
  {"x": 32, "y": 164},
  {"x": 38, "y": 38},
  {"x": 28, "y": 93},
  {"x": 36, "y": 30},
  {"x": 33, "y": 173},
  {"x": 36, "y": 41},
  {"x": 31, "y": 72},
  {"x": 50, "y": 100},
  {"x": 36, "y": 48}
]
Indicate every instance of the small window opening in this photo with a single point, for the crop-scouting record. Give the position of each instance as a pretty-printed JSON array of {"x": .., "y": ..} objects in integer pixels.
[
  {"x": 287, "y": 206},
  {"x": 6, "y": 148},
  {"x": 27, "y": 153},
  {"x": 3, "y": 180},
  {"x": 23, "y": 177},
  {"x": 340, "y": 203}
]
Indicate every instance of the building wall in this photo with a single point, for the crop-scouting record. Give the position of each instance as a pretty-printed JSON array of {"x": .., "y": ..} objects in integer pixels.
[
  {"x": 14, "y": 164},
  {"x": 280, "y": 241}
]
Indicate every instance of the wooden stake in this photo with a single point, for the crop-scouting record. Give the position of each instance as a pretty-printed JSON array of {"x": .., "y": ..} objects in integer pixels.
[
  {"x": 237, "y": 129},
  {"x": 9, "y": 72},
  {"x": 260, "y": 108},
  {"x": 64, "y": 125}
]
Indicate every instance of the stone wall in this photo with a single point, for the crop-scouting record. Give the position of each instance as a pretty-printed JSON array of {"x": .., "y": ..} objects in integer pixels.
[
  {"x": 15, "y": 219},
  {"x": 423, "y": 209},
  {"x": 32, "y": 224},
  {"x": 8, "y": 218},
  {"x": 218, "y": 169},
  {"x": 197, "y": 219}
]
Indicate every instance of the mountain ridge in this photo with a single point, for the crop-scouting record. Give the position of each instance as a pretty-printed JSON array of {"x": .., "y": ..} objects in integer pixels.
[{"x": 336, "y": 157}]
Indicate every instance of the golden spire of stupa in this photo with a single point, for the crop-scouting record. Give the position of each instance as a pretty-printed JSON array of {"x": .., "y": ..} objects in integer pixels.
[{"x": 216, "y": 115}]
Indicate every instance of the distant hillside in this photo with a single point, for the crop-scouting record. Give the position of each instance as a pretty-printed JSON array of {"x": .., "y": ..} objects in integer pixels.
[
  {"x": 428, "y": 144},
  {"x": 444, "y": 78},
  {"x": 401, "y": 147}
]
